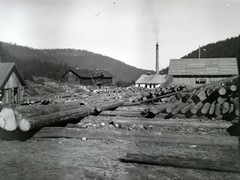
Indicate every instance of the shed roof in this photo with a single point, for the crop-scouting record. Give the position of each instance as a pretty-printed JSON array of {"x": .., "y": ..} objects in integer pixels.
[
  {"x": 152, "y": 79},
  {"x": 204, "y": 66},
  {"x": 86, "y": 73},
  {"x": 6, "y": 70}
]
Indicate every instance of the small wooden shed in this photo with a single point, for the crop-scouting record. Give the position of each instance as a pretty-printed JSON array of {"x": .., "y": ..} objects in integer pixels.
[
  {"x": 195, "y": 72},
  {"x": 88, "y": 77},
  {"x": 11, "y": 84}
]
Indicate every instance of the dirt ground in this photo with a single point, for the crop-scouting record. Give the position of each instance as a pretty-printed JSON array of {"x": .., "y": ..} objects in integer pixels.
[{"x": 61, "y": 158}]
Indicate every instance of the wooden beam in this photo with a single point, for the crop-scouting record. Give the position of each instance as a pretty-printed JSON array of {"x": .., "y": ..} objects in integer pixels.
[
  {"x": 183, "y": 162},
  {"x": 60, "y": 132}
]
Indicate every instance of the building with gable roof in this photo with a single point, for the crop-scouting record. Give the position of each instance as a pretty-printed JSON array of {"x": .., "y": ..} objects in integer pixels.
[
  {"x": 196, "y": 72},
  {"x": 88, "y": 77},
  {"x": 11, "y": 84},
  {"x": 153, "y": 80}
]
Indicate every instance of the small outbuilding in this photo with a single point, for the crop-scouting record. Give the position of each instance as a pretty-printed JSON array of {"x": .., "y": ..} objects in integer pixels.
[
  {"x": 195, "y": 72},
  {"x": 153, "y": 80},
  {"x": 88, "y": 77},
  {"x": 11, "y": 84}
]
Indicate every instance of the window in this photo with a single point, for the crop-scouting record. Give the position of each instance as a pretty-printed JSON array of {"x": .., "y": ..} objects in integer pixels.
[{"x": 200, "y": 81}]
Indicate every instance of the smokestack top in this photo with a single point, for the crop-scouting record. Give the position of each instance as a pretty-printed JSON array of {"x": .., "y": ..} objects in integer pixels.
[{"x": 157, "y": 60}]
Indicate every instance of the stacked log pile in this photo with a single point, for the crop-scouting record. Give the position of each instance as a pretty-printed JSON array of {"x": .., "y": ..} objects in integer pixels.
[
  {"x": 157, "y": 92},
  {"x": 215, "y": 101},
  {"x": 220, "y": 101}
]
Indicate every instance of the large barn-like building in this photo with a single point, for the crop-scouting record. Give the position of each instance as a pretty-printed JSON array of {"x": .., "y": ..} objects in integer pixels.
[
  {"x": 88, "y": 77},
  {"x": 196, "y": 72},
  {"x": 11, "y": 84}
]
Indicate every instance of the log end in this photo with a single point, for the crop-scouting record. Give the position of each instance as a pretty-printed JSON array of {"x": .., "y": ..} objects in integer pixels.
[
  {"x": 24, "y": 125},
  {"x": 2, "y": 122},
  {"x": 8, "y": 119}
]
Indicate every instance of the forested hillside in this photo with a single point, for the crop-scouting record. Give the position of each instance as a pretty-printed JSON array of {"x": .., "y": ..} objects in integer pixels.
[
  {"x": 220, "y": 49},
  {"x": 34, "y": 66},
  {"x": 122, "y": 72}
]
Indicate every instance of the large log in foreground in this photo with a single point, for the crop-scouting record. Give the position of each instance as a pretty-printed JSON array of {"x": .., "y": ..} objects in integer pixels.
[
  {"x": 183, "y": 162},
  {"x": 30, "y": 117},
  {"x": 29, "y": 123}
]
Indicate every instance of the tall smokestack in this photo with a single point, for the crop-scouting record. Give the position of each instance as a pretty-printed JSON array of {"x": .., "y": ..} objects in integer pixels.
[{"x": 157, "y": 60}]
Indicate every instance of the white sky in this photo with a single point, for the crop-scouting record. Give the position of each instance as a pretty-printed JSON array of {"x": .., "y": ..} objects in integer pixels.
[{"x": 126, "y": 30}]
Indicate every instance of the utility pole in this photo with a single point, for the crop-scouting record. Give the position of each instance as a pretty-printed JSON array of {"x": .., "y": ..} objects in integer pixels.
[{"x": 199, "y": 52}]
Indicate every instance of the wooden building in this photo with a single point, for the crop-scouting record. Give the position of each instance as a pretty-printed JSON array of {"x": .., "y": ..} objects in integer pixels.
[
  {"x": 11, "y": 84},
  {"x": 153, "y": 80},
  {"x": 88, "y": 77},
  {"x": 196, "y": 72}
]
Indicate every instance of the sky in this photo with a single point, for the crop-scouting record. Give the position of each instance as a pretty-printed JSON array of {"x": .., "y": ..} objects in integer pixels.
[{"x": 126, "y": 30}]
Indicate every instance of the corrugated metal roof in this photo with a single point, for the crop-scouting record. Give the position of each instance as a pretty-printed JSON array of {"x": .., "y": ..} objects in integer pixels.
[
  {"x": 152, "y": 79},
  {"x": 86, "y": 73},
  {"x": 204, "y": 66}
]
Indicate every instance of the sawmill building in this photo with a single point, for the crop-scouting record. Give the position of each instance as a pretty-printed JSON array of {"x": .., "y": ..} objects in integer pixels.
[
  {"x": 11, "y": 84},
  {"x": 88, "y": 77},
  {"x": 195, "y": 72}
]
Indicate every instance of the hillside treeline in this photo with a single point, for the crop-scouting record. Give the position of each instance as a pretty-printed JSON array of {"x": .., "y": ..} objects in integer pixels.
[
  {"x": 220, "y": 49},
  {"x": 35, "y": 66},
  {"x": 123, "y": 73}
]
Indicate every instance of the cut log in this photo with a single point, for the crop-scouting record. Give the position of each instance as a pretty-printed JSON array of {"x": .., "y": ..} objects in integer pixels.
[
  {"x": 108, "y": 105},
  {"x": 202, "y": 95},
  {"x": 183, "y": 162},
  {"x": 225, "y": 107},
  {"x": 218, "y": 109},
  {"x": 197, "y": 107},
  {"x": 187, "y": 108},
  {"x": 205, "y": 108},
  {"x": 54, "y": 132},
  {"x": 154, "y": 121},
  {"x": 171, "y": 107},
  {"x": 222, "y": 91},
  {"x": 36, "y": 122},
  {"x": 121, "y": 113},
  {"x": 172, "y": 99},
  {"x": 159, "y": 108},
  {"x": 33, "y": 122},
  {"x": 231, "y": 108},
  {"x": 31, "y": 111},
  {"x": 221, "y": 100},
  {"x": 212, "y": 109},
  {"x": 236, "y": 105},
  {"x": 7, "y": 119},
  {"x": 179, "y": 108}
]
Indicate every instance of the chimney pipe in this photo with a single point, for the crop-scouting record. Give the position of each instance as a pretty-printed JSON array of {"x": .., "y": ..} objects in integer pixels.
[{"x": 157, "y": 60}]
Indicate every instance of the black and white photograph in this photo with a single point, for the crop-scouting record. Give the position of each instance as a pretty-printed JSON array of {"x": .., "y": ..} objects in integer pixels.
[{"x": 119, "y": 89}]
